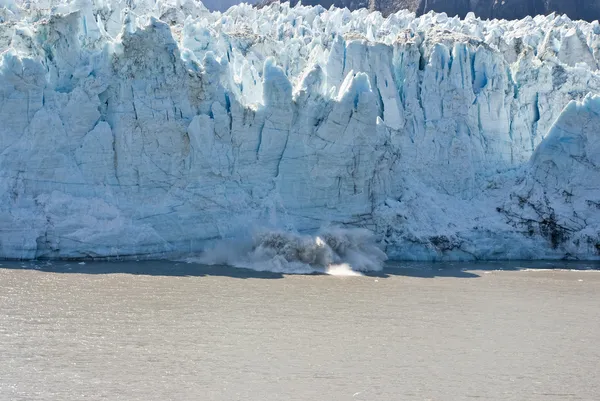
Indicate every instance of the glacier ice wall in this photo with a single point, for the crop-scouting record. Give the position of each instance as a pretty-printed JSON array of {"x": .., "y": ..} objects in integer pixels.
[{"x": 142, "y": 128}]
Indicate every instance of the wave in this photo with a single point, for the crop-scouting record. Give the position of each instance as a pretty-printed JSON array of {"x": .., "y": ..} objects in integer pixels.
[{"x": 335, "y": 251}]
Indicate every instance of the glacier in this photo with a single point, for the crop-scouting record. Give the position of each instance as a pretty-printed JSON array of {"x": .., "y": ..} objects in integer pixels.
[{"x": 152, "y": 129}]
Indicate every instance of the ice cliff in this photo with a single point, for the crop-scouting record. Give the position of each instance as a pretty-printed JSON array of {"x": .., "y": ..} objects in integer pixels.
[{"x": 156, "y": 128}]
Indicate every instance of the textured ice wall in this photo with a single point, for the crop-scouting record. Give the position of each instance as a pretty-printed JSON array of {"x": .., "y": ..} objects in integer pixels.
[{"x": 142, "y": 128}]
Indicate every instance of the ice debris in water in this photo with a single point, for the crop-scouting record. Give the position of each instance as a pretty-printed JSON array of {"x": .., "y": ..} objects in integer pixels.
[
  {"x": 147, "y": 129},
  {"x": 334, "y": 251}
]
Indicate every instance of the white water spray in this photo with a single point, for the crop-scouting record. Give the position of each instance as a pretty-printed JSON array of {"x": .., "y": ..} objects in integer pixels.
[{"x": 335, "y": 251}]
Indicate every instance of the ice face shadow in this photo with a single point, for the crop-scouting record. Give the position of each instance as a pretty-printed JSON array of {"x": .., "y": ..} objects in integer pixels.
[
  {"x": 141, "y": 268},
  {"x": 422, "y": 272},
  {"x": 471, "y": 269},
  {"x": 459, "y": 270},
  {"x": 182, "y": 269}
]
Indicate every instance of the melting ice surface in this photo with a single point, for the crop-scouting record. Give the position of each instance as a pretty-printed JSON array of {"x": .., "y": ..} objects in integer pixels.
[{"x": 155, "y": 129}]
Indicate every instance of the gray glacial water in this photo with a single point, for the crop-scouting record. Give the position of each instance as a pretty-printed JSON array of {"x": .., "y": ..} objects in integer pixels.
[{"x": 168, "y": 331}]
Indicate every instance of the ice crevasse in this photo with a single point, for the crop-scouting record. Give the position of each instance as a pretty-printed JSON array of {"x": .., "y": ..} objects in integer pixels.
[{"x": 154, "y": 128}]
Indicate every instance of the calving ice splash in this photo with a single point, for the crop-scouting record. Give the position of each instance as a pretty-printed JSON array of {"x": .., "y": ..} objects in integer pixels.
[
  {"x": 333, "y": 251},
  {"x": 153, "y": 129}
]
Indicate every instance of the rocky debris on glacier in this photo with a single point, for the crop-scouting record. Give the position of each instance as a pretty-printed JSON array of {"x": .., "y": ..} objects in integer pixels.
[
  {"x": 588, "y": 10},
  {"x": 224, "y": 5},
  {"x": 510, "y": 9},
  {"x": 156, "y": 128},
  {"x": 557, "y": 196}
]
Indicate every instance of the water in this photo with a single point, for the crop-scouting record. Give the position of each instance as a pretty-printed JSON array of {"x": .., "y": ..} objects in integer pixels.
[{"x": 167, "y": 331}]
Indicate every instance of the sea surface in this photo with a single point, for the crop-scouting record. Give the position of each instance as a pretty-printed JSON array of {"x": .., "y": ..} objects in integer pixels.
[{"x": 177, "y": 331}]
